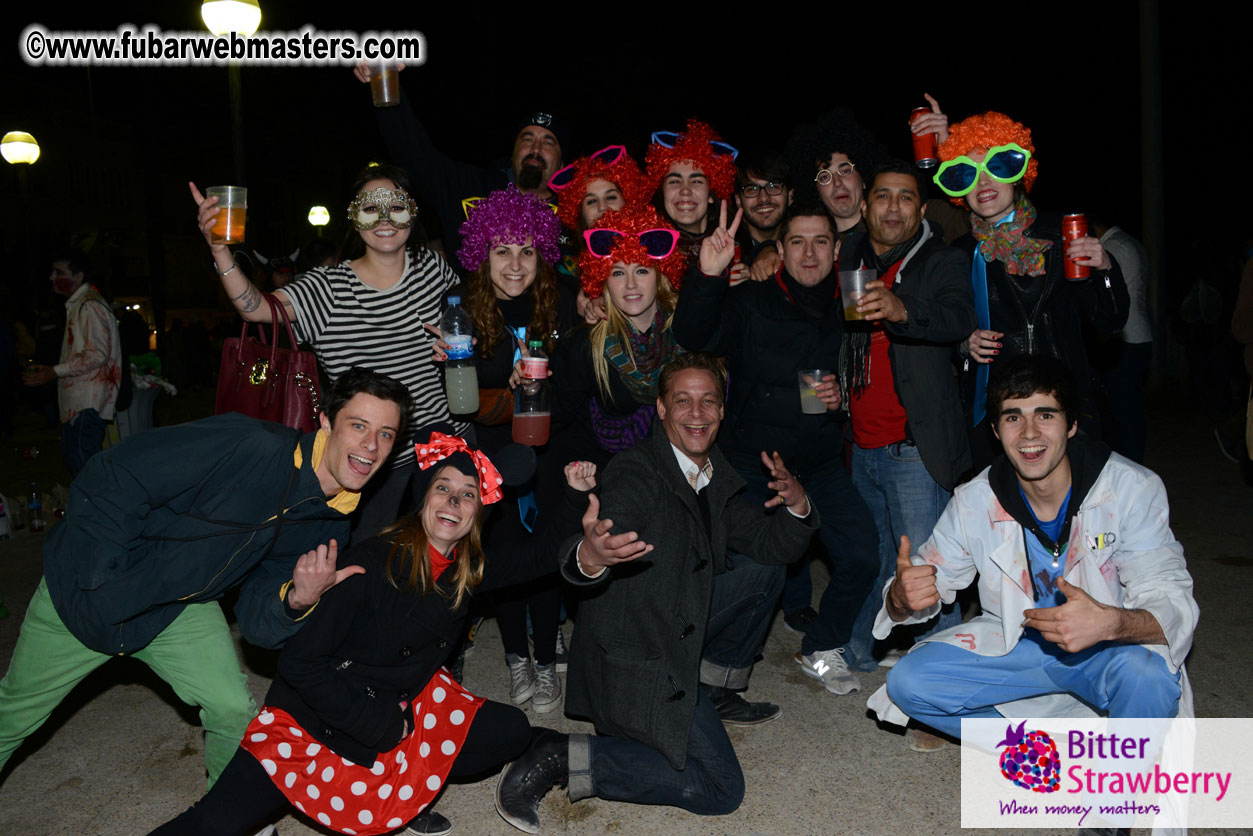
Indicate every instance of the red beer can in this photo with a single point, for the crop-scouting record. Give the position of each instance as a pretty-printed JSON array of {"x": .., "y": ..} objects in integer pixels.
[
  {"x": 1074, "y": 227},
  {"x": 926, "y": 146}
]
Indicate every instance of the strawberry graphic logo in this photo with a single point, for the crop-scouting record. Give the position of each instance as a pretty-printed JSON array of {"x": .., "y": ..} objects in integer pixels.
[{"x": 1030, "y": 759}]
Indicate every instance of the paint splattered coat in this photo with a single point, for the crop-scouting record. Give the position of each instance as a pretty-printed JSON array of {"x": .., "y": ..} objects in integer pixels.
[{"x": 1121, "y": 552}]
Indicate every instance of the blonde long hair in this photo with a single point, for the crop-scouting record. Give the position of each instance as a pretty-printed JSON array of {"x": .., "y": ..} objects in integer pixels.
[
  {"x": 619, "y": 326},
  {"x": 408, "y": 563}
]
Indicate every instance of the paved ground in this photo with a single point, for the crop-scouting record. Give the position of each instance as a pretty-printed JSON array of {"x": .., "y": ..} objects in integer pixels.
[{"x": 123, "y": 755}]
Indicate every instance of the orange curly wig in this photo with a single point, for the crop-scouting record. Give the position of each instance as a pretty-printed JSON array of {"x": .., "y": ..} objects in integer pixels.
[
  {"x": 984, "y": 131},
  {"x": 594, "y": 272},
  {"x": 693, "y": 146},
  {"x": 625, "y": 174}
]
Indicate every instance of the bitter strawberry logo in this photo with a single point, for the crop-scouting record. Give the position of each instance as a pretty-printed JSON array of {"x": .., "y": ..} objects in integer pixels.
[{"x": 1030, "y": 759}]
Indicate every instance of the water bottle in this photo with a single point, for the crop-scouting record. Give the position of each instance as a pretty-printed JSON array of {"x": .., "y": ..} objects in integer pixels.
[
  {"x": 532, "y": 412},
  {"x": 34, "y": 510},
  {"x": 461, "y": 380}
]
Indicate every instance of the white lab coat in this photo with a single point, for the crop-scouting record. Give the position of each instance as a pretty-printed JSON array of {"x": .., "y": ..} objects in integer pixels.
[{"x": 1141, "y": 566}]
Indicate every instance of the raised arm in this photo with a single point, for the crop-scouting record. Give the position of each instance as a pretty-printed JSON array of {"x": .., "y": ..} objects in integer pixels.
[
  {"x": 244, "y": 295},
  {"x": 703, "y": 321},
  {"x": 442, "y": 181}
]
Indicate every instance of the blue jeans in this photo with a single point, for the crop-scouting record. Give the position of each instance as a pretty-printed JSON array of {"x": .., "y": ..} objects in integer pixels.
[
  {"x": 940, "y": 683},
  {"x": 850, "y": 540},
  {"x": 711, "y": 782},
  {"x": 904, "y": 500},
  {"x": 739, "y": 619},
  {"x": 81, "y": 438}
]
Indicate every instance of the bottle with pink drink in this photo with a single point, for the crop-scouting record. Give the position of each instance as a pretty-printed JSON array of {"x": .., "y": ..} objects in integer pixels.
[{"x": 532, "y": 409}]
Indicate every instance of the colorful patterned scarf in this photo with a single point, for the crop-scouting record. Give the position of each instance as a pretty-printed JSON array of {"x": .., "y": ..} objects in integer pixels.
[
  {"x": 617, "y": 434},
  {"x": 1008, "y": 243},
  {"x": 641, "y": 365}
]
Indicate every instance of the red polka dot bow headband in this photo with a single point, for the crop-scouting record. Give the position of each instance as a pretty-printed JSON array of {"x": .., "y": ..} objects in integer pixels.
[{"x": 441, "y": 446}]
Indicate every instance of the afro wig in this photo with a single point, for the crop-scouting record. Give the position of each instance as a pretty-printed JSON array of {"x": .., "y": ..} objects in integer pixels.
[
  {"x": 694, "y": 147},
  {"x": 988, "y": 130},
  {"x": 594, "y": 271},
  {"x": 508, "y": 216},
  {"x": 624, "y": 173},
  {"x": 811, "y": 147}
]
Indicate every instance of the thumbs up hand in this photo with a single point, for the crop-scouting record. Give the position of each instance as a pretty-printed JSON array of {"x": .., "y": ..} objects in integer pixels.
[
  {"x": 1077, "y": 624},
  {"x": 913, "y": 589}
]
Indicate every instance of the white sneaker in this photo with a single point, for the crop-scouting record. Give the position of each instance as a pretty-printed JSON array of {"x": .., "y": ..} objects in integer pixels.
[
  {"x": 829, "y": 668},
  {"x": 521, "y": 679},
  {"x": 547, "y": 689},
  {"x": 891, "y": 658},
  {"x": 268, "y": 830}
]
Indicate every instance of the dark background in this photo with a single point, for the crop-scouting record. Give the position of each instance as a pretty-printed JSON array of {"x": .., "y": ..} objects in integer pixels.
[{"x": 120, "y": 143}]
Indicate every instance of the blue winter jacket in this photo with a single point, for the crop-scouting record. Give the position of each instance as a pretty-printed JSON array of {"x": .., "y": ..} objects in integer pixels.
[{"x": 181, "y": 515}]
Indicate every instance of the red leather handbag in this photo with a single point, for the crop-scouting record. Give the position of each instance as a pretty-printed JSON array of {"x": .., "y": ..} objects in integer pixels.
[{"x": 261, "y": 380}]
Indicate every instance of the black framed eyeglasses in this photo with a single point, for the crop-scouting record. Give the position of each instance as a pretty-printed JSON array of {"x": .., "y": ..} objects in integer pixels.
[{"x": 754, "y": 189}]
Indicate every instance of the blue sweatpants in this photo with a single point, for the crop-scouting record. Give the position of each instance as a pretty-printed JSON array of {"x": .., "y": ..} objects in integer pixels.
[{"x": 938, "y": 684}]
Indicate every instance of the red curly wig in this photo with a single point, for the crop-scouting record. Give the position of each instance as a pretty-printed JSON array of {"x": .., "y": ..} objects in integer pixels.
[
  {"x": 984, "y": 131},
  {"x": 625, "y": 174},
  {"x": 693, "y": 146},
  {"x": 594, "y": 272}
]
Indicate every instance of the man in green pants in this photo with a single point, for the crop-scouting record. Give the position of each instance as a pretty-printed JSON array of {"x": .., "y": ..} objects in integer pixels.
[{"x": 160, "y": 527}]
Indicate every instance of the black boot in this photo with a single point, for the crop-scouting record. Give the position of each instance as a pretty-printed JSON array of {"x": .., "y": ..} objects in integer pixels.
[
  {"x": 734, "y": 710},
  {"x": 525, "y": 782}
]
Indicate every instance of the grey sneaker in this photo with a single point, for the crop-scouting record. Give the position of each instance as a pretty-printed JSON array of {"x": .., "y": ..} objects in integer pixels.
[
  {"x": 547, "y": 689},
  {"x": 829, "y": 668},
  {"x": 521, "y": 678},
  {"x": 563, "y": 655}
]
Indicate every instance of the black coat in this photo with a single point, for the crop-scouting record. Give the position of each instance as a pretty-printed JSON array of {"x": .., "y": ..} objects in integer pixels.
[
  {"x": 1053, "y": 325},
  {"x": 934, "y": 283},
  {"x": 368, "y": 645},
  {"x": 635, "y": 656},
  {"x": 766, "y": 339}
]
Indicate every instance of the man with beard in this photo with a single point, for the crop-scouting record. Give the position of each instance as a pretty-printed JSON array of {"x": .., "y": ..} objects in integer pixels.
[
  {"x": 443, "y": 182},
  {"x": 909, "y": 442},
  {"x": 771, "y": 332},
  {"x": 763, "y": 191}
]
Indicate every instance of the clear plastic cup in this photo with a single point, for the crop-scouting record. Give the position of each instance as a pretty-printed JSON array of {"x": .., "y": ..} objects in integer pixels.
[
  {"x": 385, "y": 84},
  {"x": 853, "y": 287},
  {"x": 228, "y": 225},
  {"x": 808, "y": 379}
]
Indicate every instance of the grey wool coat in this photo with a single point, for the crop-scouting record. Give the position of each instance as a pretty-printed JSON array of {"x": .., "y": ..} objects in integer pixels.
[{"x": 635, "y": 656}]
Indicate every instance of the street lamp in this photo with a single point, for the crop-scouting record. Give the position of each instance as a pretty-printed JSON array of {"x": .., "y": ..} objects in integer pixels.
[
  {"x": 19, "y": 147},
  {"x": 319, "y": 216},
  {"x": 242, "y": 17},
  {"x": 224, "y": 16}
]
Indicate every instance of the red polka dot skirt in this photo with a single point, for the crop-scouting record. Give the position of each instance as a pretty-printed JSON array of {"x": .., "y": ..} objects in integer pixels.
[{"x": 353, "y": 799}]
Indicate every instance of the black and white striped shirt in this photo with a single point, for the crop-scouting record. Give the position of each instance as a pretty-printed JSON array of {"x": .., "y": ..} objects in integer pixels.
[{"x": 349, "y": 323}]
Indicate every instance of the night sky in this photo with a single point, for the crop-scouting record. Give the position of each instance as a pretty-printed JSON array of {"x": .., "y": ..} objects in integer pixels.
[{"x": 119, "y": 144}]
